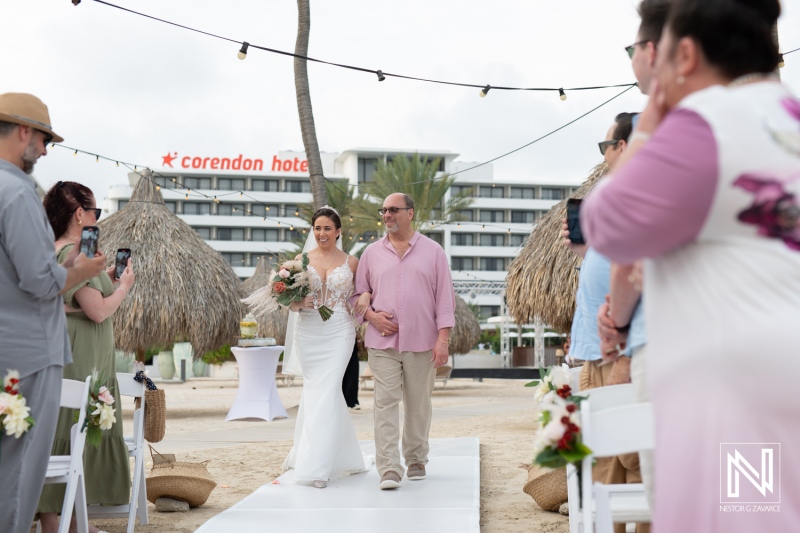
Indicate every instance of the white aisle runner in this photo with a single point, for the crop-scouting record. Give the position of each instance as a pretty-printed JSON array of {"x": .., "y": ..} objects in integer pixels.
[{"x": 448, "y": 500}]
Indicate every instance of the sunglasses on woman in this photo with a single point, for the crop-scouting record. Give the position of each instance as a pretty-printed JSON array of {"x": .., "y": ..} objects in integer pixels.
[
  {"x": 632, "y": 48},
  {"x": 97, "y": 211},
  {"x": 604, "y": 145}
]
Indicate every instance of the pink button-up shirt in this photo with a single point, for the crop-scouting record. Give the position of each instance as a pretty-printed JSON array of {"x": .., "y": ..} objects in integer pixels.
[{"x": 416, "y": 288}]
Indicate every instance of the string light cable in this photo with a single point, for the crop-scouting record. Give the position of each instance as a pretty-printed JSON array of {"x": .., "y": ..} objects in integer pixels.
[{"x": 381, "y": 75}]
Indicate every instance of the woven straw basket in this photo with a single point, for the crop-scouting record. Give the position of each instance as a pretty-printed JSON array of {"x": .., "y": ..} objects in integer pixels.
[
  {"x": 155, "y": 414},
  {"x": 547, "y": 487},
  {"x": 189, "y": 482}
]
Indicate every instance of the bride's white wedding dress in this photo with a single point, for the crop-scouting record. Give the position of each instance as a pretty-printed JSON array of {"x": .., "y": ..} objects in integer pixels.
[{"x": 325, "y": 444}]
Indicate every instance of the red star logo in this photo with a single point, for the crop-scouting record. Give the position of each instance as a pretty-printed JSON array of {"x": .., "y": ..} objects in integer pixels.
[{"x": 168, "y": 159}]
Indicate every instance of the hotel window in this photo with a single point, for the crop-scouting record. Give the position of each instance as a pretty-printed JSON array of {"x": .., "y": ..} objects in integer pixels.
[
  {"x": 234, "y": 259},
  {"x": 462, "y": 263},
  {"x": 492, "y": 239},
  {"x": 490, "y": 192},
  {"x": 292, "y": 235},
  {"x": 466, "y": 215},
  {"x": 264, "y": 235},
  {"x": 523, "y": 217},
  {"x": 492, "y": 216},
  {"x": 163, "y": 181},
  {"x": 265, "y": 185},
  {"x": 271, "y": 259},
  {"x": 289, "y": 210},
  {"x": 298, "y": 186},
  {"x": 226, "y": 209},
  {"x": 466, "y": 190},
  {"x": 487, "y": 311},
  {"x": 205, "y": 233},
  {"x": 517, "y": 240},
  {"x": 366, "y": 168},
  {"x": 230, "y": 234},
  {"x": 197, "y": 183},
  {"x": 526, "y": 193},
  {"x": 262, "y": 210},
  {"x": 121, "y": 204},
  {"x": 196, "y": 208},
  {"x": 172, "y": 206},
  {"x": 436, "y": 237},
  {"x": 552, "y": 194},
  {"x": 461, "y": 239},
  {"x": 493, "y": 264},
  {"x": 230, "y": 184}
]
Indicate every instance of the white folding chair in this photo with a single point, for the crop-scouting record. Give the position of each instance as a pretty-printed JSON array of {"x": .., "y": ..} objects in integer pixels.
[
  {"x": 69, "y": 468},
  {"x": 609, "y": 432},
  {"x": 138, "y": 504},
  {"x": 602, "y": 398}
]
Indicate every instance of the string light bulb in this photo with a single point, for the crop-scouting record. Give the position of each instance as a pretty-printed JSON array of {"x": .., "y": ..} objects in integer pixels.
[
  {"x": 243, "y": 51},
  {"x": 381, "y": 77},
  {"x": 53, "y": 145},
  {"x": 158, "y": 187},
  {"x": 562, "y": 95},
  {"x": 351, "y": 218},
  {"x": 379, "y": 223},
  {"x": 241, "y": 194},
  {"x": 459, "y": 225},
  {"x": 187, "y": 196},
  {"x": 781, "y": 63},
  {"x": 97, "y": 159},
  {"x": 485, "y": 91},
  {"x": 279, "y": 222},
  {"x": 117, "y": 163},
  {"x": 291, "y": 228},
  {"x": 297, "y": 212},
  {"x": 76, "y": 2},
  {"x": 75, "y": 154}
]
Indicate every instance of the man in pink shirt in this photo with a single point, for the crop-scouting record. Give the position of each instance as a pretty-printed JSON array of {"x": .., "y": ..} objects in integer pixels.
[{"x": 410, "y": 317}]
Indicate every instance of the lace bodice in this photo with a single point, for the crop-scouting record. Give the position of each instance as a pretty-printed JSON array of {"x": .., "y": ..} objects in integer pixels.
[{"x": 337, "y": 289}]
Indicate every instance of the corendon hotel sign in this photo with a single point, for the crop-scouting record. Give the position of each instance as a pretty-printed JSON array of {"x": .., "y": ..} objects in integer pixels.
[{"x": 233, "y": 163}]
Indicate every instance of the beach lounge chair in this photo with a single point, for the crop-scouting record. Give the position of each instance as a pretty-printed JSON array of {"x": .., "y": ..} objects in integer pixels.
[{"x": 443, "y": 374}]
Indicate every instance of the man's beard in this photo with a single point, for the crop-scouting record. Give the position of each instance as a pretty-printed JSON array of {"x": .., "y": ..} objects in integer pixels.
[
  {"x": 391, "y": 229},
  {"x": 29, "y": 157}
]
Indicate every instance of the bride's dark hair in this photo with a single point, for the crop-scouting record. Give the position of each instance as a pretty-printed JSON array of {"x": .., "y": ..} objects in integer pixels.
[{"x": 331, "y": 214}]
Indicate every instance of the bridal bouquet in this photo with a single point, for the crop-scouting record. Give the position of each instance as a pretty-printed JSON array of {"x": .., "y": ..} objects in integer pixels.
[
  {"x": 14, "y": 413},
  {"x": 100, "y": 415},
  {"x": 289, "y": 284},
  {"x": 559, "y": 439}
]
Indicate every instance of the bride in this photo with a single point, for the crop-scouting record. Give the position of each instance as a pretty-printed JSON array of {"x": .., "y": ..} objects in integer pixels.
[{"x": 325, "y": 444}]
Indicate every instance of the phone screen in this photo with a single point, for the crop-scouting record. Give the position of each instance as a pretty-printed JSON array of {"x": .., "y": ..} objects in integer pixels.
[
  {"x": 573, "y": 221},
  {"x": 123, "y": 254},
  {"x": 89, "y": 236}
]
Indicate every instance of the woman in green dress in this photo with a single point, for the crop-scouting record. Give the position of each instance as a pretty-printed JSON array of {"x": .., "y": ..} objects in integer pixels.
[{"x": 70, "y": 206}]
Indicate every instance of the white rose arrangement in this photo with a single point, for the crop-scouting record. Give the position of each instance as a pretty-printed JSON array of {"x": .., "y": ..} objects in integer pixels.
[
  {"x": 15, "y": 415},
  {"x": 100, "y": 415}
]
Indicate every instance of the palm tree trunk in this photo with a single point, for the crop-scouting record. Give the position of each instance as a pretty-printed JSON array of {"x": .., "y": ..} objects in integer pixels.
[{"x": 304, "y": 110}]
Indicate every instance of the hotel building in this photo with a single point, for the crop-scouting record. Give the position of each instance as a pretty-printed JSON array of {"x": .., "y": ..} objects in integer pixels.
[{"x": 246, "y": 208}]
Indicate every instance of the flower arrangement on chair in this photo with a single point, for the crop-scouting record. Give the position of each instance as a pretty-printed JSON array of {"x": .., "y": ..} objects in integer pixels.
[
  {"x": 100, "y": 415},
  {"x": 14, "y": 413},
  {"x": 559, "y": 439}
]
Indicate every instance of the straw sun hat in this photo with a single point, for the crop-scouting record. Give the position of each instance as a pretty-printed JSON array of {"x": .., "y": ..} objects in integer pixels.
[{"x": 26, "y": 109}]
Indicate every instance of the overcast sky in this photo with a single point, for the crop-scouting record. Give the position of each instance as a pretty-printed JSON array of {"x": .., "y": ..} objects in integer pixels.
[{"x": 135, "y": 89}]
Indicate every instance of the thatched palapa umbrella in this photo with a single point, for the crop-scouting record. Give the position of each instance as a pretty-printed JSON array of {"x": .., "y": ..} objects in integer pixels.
[
  {"x": 271, "y": 324},
  {"x": 184, "y": 290},
  {"x": 467, "y": 330},
  {"x": 543, "y": 278}
]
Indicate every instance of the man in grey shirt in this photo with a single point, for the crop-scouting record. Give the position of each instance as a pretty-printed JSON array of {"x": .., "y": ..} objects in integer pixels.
[{"x": 33, "y": 335}]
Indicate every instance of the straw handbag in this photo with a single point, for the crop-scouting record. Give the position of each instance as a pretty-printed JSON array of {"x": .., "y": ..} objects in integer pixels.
[
  {"x": 155, "y": 410},
  {"x": 179, "y": 480},
  {"x": 547, "y": 487}
]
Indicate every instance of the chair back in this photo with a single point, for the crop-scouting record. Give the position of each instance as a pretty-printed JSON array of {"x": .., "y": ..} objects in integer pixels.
[
  {"x": 610, "y": 396},
  {"x": 75, "y": 394}
]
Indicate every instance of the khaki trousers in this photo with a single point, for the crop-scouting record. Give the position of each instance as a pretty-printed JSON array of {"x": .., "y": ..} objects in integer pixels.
[
  {"x": 406, "y": 376},
  {"x": 611, "y": 470}
]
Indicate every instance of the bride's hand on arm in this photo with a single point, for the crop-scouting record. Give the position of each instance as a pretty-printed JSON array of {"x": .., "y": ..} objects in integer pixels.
[{"x": 363, "y": 302}]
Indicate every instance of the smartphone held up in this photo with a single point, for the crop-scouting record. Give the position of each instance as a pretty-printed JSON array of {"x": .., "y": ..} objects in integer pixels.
[
  {"x": 121, "y": 263},
  {"x": 89, "y": 235},
  {"x": 573, "y": 221}
]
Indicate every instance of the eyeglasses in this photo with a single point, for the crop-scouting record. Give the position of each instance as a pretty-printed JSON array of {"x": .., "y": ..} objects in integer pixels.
[
  {"x": 604, "y": 145},
  {"x": 46, "y": 137},
  {"x": 392, "y": 210},
  {"x": 97, "y": 211},
  {"x": 632, "y": 48}
]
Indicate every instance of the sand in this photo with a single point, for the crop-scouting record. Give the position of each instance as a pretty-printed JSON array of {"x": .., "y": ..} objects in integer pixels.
[{"x": 247, "y": 454}]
